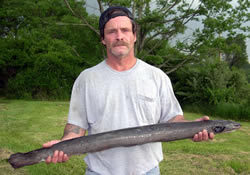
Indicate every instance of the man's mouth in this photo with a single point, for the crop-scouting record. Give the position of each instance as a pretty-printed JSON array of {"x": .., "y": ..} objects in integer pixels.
[{"x": 118, "y": 44}]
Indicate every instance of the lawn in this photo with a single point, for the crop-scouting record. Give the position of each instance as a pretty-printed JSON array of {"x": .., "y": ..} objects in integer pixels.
[{"x": 26, "y": 125}]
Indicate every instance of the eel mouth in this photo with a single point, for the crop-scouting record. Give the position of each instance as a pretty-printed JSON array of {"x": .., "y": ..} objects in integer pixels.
[{"x": 237, "y": 125}]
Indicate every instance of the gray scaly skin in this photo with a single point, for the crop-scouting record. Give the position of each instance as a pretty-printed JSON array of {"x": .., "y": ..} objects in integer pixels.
[{"x": 164, "y": 132}]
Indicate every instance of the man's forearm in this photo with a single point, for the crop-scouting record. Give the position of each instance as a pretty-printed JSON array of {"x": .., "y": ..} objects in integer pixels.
[{"x": 72, "y": 131}]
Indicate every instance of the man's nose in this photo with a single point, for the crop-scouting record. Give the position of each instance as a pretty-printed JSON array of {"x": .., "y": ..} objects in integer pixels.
[{"x": 119, "y": 35}]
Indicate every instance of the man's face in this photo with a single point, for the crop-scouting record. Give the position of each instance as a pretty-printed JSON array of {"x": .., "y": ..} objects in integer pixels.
[{"x": 119, "y": 37}]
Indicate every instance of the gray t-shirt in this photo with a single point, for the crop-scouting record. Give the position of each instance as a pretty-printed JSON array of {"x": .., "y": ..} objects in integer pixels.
[{"x": 104, "y": 99}]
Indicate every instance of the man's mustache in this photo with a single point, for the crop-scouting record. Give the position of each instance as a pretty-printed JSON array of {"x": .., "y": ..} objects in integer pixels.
[{"x": 120, "y": 43}]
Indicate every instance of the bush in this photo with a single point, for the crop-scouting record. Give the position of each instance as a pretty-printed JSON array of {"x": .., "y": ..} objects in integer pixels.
[
  {"x": 212, "y": 83},
  {"x": 224, "y": 110},
  {"x": 50, "y": 75},
  {"x": 214, "y": 89}
]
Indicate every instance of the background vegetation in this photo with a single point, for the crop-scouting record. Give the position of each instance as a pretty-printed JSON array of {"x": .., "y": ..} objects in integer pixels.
[
  {"x": 46, "y": 44},
  {"x": 26, "y": 125}
]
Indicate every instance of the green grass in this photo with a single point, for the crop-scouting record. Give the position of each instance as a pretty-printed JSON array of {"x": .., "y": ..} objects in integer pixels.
[
  {"x": 26, "y": 125},
  {"x": 227, "y": 154}
]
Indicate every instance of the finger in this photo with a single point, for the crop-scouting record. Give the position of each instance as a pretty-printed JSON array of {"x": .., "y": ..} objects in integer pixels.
[
  {"x": 204, "y": 135},
  {"x": 55, "y": 156},
  {"x": 60, "y": 156},
  {"x": 48, "y": 160},
  {"x": 195, "y": 138},
  {"x": 211, "y": 135},
  {"x": 203, "y": 118},
  {"x": 65, "y": 158},
  {"x": 200, "y": 136}
]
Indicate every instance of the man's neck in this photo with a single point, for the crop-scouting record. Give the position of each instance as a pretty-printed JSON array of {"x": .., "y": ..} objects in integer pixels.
[{"x": 121, "y": 64}]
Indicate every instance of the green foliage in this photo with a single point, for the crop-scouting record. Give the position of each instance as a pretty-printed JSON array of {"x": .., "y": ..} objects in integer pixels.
[
  {"x": 234, "y": 50},
  {"x": 214, "y": 89},
  {"x": 160, "y": 21},
  {"x": 230, "y": 111},
  {"x": 41, "y": 68},
  {"x": 45, "y": 44},
  {"x": 49, "y": 76},
  {"x": 246, "y": 69},
  {"x": 44, "y": 48},
  {"x": 212, "y": 83},
  {"x": 217, "y": 96}
]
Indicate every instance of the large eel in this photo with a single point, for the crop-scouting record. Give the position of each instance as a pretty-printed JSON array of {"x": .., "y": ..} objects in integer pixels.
[{"x": 163, "y": 132}]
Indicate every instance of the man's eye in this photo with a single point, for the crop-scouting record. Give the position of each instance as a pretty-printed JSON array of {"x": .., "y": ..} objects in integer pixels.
[
  {"x": 125, "y": 30},
  {"x": 111, "y": 31}
]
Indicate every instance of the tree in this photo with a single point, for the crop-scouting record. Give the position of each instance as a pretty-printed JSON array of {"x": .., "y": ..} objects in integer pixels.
[
  {"x": 246, "y": 68},
  {"x": 213, "y": 83},
  {"x": 235, "y": 52},
  {"x": 161, "y": 21},
  {"x": 43, "y": 48},
  {"x": 60, "y": 34}
]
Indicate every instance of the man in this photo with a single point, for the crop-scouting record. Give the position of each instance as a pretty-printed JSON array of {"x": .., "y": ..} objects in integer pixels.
[{"x": 121, "y": 92}]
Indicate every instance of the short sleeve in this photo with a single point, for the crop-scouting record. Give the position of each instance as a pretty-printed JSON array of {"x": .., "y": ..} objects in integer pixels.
[
  {"x": 170, "y": 106},
  {"x": 77, "y": 110}
]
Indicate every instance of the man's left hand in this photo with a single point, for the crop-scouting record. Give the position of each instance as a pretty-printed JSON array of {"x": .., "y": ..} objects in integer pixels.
[{"x": 204, "y": 135}]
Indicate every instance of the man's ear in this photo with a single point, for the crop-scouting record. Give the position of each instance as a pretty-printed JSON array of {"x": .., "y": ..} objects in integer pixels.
[
  {"x": 103, "y": 42},
  {"x": 135, "y": 37}
]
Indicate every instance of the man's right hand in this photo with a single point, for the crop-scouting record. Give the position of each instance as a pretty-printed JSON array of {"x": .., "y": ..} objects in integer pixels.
[{"x": 58, "y": 156}]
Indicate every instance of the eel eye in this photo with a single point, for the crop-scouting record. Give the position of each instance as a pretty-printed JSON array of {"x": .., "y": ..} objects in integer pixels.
[{"x": 218, "y": 129}]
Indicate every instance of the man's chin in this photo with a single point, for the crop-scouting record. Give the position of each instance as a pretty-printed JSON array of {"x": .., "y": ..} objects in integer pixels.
[{"x": 120, "y": 54}]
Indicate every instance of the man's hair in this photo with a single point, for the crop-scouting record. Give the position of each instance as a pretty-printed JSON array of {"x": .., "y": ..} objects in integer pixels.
[{"x": 113, "y": 12}]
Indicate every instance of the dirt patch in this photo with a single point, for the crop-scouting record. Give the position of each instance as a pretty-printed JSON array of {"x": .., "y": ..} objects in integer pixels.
[
  {"x": 4, "y": 154},
  {"x": 220, "y": 140},
  {"x": 5, "y": 167},
  {"x": 244, "y": 153},
  {"x": 3, "y": 107},
  {"x": 198, "y": 164},
  {"x": 245, "y": 130},
  {"x": 192, "y": 157}
]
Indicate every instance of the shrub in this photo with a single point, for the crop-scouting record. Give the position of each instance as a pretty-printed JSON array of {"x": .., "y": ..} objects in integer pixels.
[
  {"x": 50, "y": 75},
  {"x": 224, "y": 110}
]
